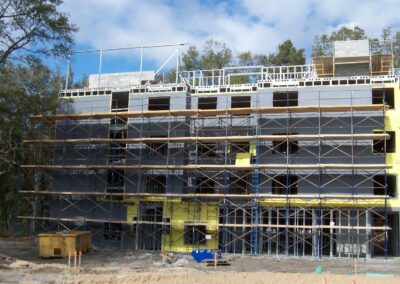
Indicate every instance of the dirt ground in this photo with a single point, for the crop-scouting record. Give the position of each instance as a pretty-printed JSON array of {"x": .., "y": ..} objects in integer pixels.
[{"x": 19, "y": 263}]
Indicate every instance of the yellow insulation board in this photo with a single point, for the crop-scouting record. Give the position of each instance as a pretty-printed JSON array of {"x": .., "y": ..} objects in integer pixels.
[
  {"x": 131, "y": 212},
  {"x": 392, "y": 123},
  {"x": 242, "y": 159},
  {"x": 179, "y": 214},
  {"x": 253, "y": 149}
]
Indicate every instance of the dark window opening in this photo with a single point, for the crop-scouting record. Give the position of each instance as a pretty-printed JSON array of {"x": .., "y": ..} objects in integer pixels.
[
  {"x": 157, "y": 149},
  {"x": 118, "y": 134},
  {"x": 379, "y": 246},
  {"x": 159, "y": 103},
  {"x": 115, "y": 184},
  {"x": 240, "y": 148},
  {"x": 195, "y": 235},
  {"x": 285, "y": 147},
  {"x": 383, "y": 96},
  {"x": 156, "y": 184},
  {"x": 207, "y": 149},
  {"x": 115, "y": 178},
  {"x": 285, "y": 99},
  {"x": 208, "y": 103},
  {"x": 204, "y": 185},
  {"x": 57, "y": 251},
  {"x": 120, "y": 101},
  {"x": 112, "y": 231},
  {"x": 117, "y": 153},
  {"x": 283, "y": 183},
  {"x": 119, "y": 121},
  {"x": 240, "y": 101},
  {"x": 240, "y": 185},
  {"x": 379, "y": 185},
  {"x": 154, "y": 214},
  {"x": 379, "y": 145}
]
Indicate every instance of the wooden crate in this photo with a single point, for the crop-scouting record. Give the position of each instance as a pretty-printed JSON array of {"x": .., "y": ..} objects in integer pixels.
[{"x": 60, "y": 244}]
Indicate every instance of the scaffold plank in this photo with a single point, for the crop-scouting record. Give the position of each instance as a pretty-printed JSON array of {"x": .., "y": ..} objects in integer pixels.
[
  {"x": 303, "y": 137},
  {"x": 215, "y": 195},
  {"x": 213, "y": 112},
  {"x": 209, "y": 167},
  {"x": 193, "y": 223}
]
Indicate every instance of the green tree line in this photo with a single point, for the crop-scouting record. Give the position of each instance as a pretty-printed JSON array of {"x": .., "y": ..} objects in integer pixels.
[{"x": 29, "y": 30}]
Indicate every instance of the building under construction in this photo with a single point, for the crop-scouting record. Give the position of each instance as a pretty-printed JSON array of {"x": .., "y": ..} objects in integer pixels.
[{"x": 292, "y": 160}]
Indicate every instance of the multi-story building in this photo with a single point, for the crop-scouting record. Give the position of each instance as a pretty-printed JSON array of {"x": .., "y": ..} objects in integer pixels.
[{"x": 291, "y": 160}]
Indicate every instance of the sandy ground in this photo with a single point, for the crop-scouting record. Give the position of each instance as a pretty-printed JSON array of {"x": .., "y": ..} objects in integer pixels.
[{"x": 19, "y": 263}]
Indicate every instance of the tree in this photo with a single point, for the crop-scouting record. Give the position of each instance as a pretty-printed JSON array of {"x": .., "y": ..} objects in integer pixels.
[
  {"x": 246, "y": 59},
  {"x": 396, "y": 49},
  {"x": 190, "y": 59},
  {"x": 264, "y": 60},
  {"x": 167, "y": 77},
  {"x": 25, "y": 90},
  {"x": 216, "y": 55},
  {"x": 28, "y": 28},
  {"x": 82, "y": 83},
  {"x": 346, "y": 33},
  {"x": 388, "y": 43},
  {"x": 289, "y": 55},
  {"x": 34, "y": 26}
]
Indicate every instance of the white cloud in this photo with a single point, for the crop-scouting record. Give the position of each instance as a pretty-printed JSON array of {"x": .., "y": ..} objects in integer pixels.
[{"x": 253, "y": 25}]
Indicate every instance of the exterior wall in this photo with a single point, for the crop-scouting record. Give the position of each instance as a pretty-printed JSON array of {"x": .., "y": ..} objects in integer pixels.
[
  {"x": 346, "y": 70},
  {"x": 307, "y": 96},
  {"x": 350, "y": 48},
  {"x": 178, "y": 100},
  {"x": 118, "y": 80},
  {"x": 88, "y": 104},
  {"x": 392, "y": 124},
  {"x": 180, "y": 211}
]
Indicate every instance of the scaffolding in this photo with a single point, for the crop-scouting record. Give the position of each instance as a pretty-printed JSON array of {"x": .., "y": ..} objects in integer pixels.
[
  {"x": 286, "y": 160},
  {"x": 244, "y": 177}
]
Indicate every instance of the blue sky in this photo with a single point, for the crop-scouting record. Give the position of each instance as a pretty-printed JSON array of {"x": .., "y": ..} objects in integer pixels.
[{"x": 254, "y": 25}]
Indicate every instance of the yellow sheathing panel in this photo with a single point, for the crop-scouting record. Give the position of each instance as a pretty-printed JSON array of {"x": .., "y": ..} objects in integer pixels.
[
  {"x": 392, "y": 123},
  {"x": 242, "y": 159},
  {"x": 205, "y": 213},
  {"x": 131, "y": 212},
  {"x": 253, "y": 149}
]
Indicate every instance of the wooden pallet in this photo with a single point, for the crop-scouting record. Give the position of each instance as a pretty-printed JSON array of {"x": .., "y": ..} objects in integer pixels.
[{"x": 219, "y": 262}]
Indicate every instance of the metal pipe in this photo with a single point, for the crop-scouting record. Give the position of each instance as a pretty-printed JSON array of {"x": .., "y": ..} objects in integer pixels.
[
  {"x": 100, "y": 66},
  {"x": 67, "y": 75},
  {"x": 141, "y": 63},
  {"x": 131, "y": 47}
]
